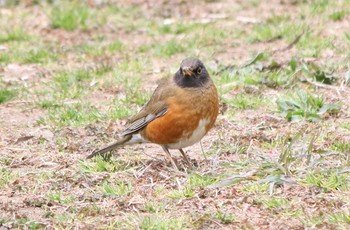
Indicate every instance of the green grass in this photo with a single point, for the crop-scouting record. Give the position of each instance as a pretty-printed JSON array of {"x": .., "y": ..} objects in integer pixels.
[
  {"x": 169, "y": 48},
  {"x": 23, "y": 223},
  {"x": 328, "y": 181},
  {"x": 295, "y": 164},
  {"x": 194, "y": 182},
  {"x": 115, "y": 46},
  {"x": 341, "y": 146},
  {"x": 101, "y": 165},
  {"x": 312, "y": 44},
  {"x": 273, "y": 203},
  {"x": 225, "y": 218},
  {"x": 213, "y": 36},
  {"x": 75, "y": 84},
  {"x": 70, "y": 16},
  {"x": 6, "y": 94},
  {"x": 64, "y": 218},
  {"x": 56, "y": 196},
  {"x": 26, "y": 53},
  {"x": 116, "y": 189},
  {"x": 38, "y": 56},
  {"x": 72, "y": 84},
  {"x": 76, "y": 114},
  {"x": 187, "y": 192},
  {"x": 319, "y": 6},
  {"x": 16, "y": 34},
  {"x": 96, "y": 63},
  {"x": 246, "y": 102},
  {"x": 157, "y": 222},
  {"x": 6, "y": 177},
  {"x": 275, "y": 28},
  {"x": 46, "y": 104},
  {"x": 282, "y": 78},
  {"x": 154, "y": 207},
  {"x": 338, "y": 15},
  {"x": 98, "y": 48},
  {"x": 339, "y": 217},
  {"x": 178, "y": 28},
  {"x": 255, "y": 188},
  {"x": 120, "y": 109}
]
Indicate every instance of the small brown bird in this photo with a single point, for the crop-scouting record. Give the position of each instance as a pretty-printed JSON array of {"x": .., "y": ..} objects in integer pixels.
[{"x": 180, "y": 112}]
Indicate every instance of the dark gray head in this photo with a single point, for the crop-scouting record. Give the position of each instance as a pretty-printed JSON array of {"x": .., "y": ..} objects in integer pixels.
[{"x": 192, "y": 73}]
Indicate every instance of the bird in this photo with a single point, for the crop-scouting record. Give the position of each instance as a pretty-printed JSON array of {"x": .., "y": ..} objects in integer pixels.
[{"x": 180, "y": 112}]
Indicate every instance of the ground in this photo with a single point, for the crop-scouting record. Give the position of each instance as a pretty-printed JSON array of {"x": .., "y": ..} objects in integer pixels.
[{"x": 72, "y": 72}]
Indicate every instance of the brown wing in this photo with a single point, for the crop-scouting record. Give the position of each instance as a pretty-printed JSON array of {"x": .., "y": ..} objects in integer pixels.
[{"x": 154, "y": 108}]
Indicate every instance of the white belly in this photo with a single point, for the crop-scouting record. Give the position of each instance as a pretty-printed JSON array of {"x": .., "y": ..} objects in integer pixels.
[{"x": 194, "y": 138}]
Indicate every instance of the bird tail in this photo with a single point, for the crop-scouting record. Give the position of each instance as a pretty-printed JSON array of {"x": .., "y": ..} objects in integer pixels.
[{"x": 110, "y": 147}]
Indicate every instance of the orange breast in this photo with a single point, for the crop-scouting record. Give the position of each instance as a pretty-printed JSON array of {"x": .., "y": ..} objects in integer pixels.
[{"x": 183, "y": 116}]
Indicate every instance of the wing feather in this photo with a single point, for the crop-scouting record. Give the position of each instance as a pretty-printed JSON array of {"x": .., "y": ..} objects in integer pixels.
[
  {"x": 143, "y": 121},
  {"x": 154, "y": 108}
]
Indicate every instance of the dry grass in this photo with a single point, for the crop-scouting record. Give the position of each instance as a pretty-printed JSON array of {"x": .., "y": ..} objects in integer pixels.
[{"x": 71, "y": 73}]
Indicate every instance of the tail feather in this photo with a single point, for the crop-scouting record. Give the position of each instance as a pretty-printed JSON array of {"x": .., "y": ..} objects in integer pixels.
[{"x": 110, "y": 147}]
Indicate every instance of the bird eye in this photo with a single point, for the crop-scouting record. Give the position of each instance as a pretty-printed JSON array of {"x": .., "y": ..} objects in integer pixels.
[{"x": 199, "y": 70}]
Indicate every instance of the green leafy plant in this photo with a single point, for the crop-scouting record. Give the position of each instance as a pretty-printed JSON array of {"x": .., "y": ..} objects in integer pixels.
[
  {"x": 304, "y": 106},
  {"x": 314, "y": 71}
]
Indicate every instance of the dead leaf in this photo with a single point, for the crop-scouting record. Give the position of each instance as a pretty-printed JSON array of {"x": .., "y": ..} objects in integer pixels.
[{"x": 25, "y": 138}]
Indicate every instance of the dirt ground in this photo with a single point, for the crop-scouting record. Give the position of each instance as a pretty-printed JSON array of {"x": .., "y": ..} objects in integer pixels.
[{"x": 258, "y": 170}]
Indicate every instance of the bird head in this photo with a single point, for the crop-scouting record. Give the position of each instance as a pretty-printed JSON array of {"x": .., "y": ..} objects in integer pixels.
[{"x": 192, "y": 73}]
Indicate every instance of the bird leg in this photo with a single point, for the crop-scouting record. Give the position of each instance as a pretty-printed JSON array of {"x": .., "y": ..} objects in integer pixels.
[
  {"x": 185, "y": 157},
  {"x": 170, "y": 158}
]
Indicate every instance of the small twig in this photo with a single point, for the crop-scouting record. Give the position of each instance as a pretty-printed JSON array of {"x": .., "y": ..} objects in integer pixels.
[
  {"x": 229, "y": 85},
  {"x": 25, "y": 138},
  {"x": 140, "y": 172},
  {"x": 179, "y": 186},
  {"x": 152, "y": 157},
  {"x": 176, "y": 172},
  {"x": 293, "y": 43},
  {"x": 249, "y": 147},
  {"x": 225, "y": 68},
  {"x": 16, "y": 149},
  {"x": 18, "y": 102},
  {"x": 322, "y": 85},
  {"x": 325, "y": 86},
  {"x": 214, "y": 221},
  {"x": 164, "y": 176},
  {"x": 205, "y": 157},
  {"x": 215, "y": 160}
]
